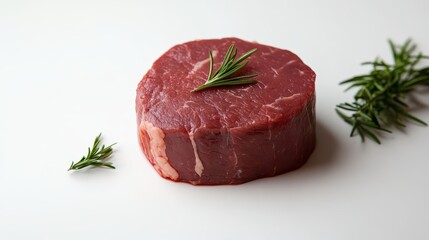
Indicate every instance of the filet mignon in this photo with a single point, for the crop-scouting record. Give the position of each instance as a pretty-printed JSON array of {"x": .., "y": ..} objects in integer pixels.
[{"x": 232, "y": 134}]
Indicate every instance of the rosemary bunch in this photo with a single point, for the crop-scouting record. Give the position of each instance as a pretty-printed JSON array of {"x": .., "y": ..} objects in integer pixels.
[
  {"x": 380, "y": 99},
  {"x": 222, "y": 77}
]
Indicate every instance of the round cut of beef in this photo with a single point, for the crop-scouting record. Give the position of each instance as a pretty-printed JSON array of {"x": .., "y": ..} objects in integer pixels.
[{"x": 231, "y": 134}]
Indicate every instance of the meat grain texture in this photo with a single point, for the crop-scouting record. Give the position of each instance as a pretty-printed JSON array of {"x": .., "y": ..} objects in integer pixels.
[{"x": 226, "y": 135}]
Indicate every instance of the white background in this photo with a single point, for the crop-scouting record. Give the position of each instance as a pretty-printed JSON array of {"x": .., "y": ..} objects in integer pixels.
[{"x": 69, "y": 70}]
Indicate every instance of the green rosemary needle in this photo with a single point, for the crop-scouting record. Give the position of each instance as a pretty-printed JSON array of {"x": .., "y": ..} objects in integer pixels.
[
  {"x": 222, "y": 77},
  {"x": 380, "y": 99},
  {"x": 95, "y": 156}
]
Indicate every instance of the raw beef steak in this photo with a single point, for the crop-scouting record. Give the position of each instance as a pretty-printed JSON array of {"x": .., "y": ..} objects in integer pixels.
[{"x": 226, "y": 135}]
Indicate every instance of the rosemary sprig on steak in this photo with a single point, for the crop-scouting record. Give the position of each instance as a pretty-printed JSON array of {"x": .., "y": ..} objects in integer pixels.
[
  {"x": 95, "y": 156},
  {"x": 222, "y": 77},
  {"x": 380, "y": 100}
]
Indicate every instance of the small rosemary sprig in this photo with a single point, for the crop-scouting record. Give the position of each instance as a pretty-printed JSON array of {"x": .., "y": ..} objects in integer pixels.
[
  {"x": 222, "y": 77},
  {"x": 95, "y": 156},
  {"x": 380, "y": 100}
]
